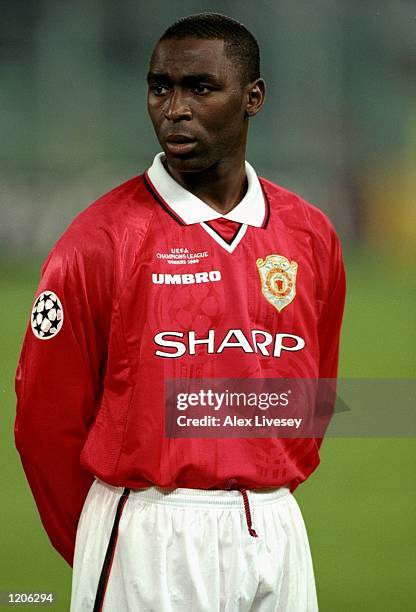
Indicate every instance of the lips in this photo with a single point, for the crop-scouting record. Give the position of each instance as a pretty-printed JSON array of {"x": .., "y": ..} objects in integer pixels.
[
  {"x": 180, "y": 138},
  {"x": 180, "y": 144}
]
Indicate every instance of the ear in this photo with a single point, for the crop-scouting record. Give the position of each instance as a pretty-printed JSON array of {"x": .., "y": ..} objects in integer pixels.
[{"x": 256, "y": 92}]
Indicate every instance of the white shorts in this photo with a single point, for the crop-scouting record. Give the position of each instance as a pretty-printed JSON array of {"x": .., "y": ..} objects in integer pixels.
[{"x": 190, "y": 550}]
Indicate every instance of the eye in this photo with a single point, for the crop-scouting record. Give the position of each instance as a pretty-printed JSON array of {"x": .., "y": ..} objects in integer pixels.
[
  {"x": 158, "y": 89},
  {"x": 201, "y": 89}
]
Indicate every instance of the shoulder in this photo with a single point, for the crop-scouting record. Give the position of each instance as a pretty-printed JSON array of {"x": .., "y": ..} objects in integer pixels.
[
  {"x": 123, "y": 211},
  {"x": 309, "y": 225},
  {"x": 105, "y": 237},
  {"x": 298, "y": 214},
  {"x": 124, "y": 206}
]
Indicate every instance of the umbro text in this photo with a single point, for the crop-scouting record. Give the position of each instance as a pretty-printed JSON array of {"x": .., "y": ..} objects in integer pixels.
[{"x": 186, "y": 279}]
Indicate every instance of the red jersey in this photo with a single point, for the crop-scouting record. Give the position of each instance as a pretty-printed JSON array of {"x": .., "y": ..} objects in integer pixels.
[{"x": 150, "y": 284}]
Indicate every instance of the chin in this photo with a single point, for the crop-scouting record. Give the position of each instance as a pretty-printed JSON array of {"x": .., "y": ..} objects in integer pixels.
[{"x": 186, "y": 163}]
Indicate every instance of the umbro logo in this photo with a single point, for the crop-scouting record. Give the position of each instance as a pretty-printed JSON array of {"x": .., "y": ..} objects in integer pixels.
[{"x": 186, "y": 279}]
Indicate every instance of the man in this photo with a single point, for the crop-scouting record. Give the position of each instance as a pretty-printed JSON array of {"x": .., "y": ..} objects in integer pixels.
[{"x": 196, "y": 269}]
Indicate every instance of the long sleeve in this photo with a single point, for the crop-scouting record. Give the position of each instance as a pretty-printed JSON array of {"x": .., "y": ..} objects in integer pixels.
[
  {"x": 330, "y": 320},
  {"x": 59, "y": 381},
  {"x": 329, "y": 331}
]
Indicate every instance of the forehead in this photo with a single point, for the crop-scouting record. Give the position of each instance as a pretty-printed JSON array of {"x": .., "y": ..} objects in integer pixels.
[{"x": 177, "y": 58}]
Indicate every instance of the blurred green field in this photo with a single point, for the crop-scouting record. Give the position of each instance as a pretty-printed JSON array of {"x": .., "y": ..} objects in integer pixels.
[{"x": 360, "y": 505}]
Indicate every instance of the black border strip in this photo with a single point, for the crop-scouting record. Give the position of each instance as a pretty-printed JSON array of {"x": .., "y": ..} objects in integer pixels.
[
  {"x": 266, "y": 199},
  {"x": 229, "y": 242},
  {"x": 105, "y": 571},
  {"x": 160, "y": 201}
]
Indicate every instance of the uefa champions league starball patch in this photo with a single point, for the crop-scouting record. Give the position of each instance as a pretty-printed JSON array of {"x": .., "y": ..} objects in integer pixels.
[
  {"x": 278, "y": 280},
  {"x": 47, "y": 315}
]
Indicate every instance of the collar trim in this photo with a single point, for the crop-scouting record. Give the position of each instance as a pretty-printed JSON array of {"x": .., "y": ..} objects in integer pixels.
[
  {"x": 228, "y": 246},
  {"x": 152, "y": 190},
  {"x": 231, "y": 240},
  {"x": 267, "y": 203},
  {"x": 186, "y": 208}
]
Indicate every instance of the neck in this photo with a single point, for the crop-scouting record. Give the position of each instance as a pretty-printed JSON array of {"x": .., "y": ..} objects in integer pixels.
[{"x": 221, "y": 186}]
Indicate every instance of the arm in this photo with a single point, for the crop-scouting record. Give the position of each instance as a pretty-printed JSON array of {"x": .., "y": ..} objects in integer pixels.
[
  {"x": 329, "y": 326},
  {"x": 58, "y": 388},
  {"x": 329, "y": 331}
]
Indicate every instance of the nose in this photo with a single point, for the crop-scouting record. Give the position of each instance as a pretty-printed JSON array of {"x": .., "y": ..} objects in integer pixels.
[{"x": 176, "y": 108}]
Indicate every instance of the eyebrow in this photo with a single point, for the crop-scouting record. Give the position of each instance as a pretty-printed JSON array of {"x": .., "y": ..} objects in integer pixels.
[{"x": 203, "y": 76}]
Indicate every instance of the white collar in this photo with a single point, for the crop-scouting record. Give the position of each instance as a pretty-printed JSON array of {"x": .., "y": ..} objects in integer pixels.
[{"x": 252, "y": 209}]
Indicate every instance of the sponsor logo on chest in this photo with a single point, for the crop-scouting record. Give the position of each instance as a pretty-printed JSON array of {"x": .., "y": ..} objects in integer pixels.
[
  {"x": 186, "y": 279},
  {"x": 258, "y": 341}
]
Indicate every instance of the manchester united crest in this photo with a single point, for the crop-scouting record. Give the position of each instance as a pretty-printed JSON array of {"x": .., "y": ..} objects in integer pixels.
[{"x": 278, "y": 280}]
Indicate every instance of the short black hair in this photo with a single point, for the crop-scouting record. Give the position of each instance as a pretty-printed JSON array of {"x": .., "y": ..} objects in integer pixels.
[{"x": 240, "y": 44}]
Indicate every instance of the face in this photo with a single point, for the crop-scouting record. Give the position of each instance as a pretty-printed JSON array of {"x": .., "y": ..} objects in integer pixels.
[{"x": 197, "y": 104}]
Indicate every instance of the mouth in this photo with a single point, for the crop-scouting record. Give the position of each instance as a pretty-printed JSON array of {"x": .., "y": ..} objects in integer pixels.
[{"x": 180, "y": 143}]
